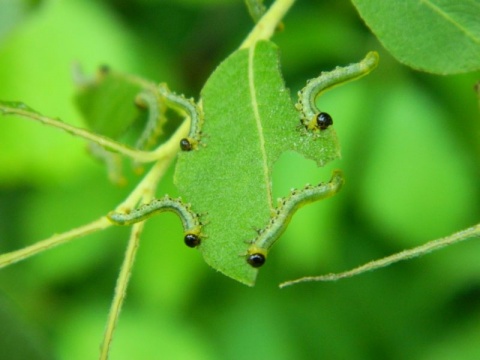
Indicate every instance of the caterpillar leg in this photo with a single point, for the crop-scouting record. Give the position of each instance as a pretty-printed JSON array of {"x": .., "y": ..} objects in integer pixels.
[
  {"x": 258, "y": 250},
  {"x": 190, "y": 220},
  {"x": 310, "y": 116}
]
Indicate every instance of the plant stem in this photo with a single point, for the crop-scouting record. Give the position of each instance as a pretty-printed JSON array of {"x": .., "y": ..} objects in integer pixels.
[
  {"x": 109, "y": 144},
  {"x": 143, "y": 192},
  {"x": 146, "y": 186},
  {"x": 121, "y": 288},
  {"x": 430, "y": 246},
  {"x": 55, "y": 240},
  {"x": 266, "y": 26},
  {"x": 148, "y": 183}
]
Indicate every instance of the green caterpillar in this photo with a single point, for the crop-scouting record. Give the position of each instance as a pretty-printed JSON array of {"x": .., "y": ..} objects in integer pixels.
[
  {"x": 185, "y": 107},
  {"x": 257, "y": 252},
  {"x": 310, "y": 116},
  {"x": 190, "y": 220}
]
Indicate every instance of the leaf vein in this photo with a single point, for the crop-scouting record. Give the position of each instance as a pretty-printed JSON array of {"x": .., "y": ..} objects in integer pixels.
[
  {"x": 258, "y": 121},
  {"x": 451, "y": 20}
]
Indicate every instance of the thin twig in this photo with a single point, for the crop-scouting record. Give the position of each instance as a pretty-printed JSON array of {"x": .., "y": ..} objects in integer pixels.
[
  {"x": 55, "y": 240},
  {"x": 430, "y": 246},
  {"x": 121, "y": 288},
  {"x": 107, "y": 143}
]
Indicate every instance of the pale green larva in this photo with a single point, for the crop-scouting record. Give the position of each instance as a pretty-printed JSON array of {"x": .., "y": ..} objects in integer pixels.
[
  {"x": 186, "y": 107},
  {"x": 310, "y": 116},
  {"x": 190, "y": 220},
  {"x": 258, "y": 250}
]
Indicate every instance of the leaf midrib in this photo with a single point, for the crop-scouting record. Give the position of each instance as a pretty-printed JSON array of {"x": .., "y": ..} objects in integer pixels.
[{"x": 258, "y": 121}]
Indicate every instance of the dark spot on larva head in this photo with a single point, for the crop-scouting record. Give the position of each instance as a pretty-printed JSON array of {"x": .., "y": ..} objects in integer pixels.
[
  {"x": 256, "y": 260},
  {"x": 191, "y": 240},
  {"x": 324, "y": 120},
  {"x": 185, "y": 144}
]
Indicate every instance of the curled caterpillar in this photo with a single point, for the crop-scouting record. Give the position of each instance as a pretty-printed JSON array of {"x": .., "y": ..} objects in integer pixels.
[
  {"x": 188, "y": 108},
  {"x": 258, "y": 250},
  {"x": 310, "y": 116},
  {"x": 190, "y": 220}
]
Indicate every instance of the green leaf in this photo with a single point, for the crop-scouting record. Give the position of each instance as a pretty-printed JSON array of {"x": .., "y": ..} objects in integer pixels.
[
  {"x": 438, "y": 36},
  {"x": 250, "y": 120},
  {"x": 120, "y": 106},
  {"x": 107, "y": 103},
  {"x": 12, "y": 12}
]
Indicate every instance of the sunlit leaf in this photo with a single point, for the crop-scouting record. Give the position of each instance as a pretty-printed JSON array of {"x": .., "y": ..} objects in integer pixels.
[
  {"x": 438, "y": 36},
  {"x": 249, "y": 121}
]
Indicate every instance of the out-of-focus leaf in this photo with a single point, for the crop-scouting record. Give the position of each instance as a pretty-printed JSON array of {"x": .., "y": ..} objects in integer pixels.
[
  {"x": 415, "y": 169},
  {"x": 17, "y": 340},
  {"x": 438, "y": 36},
  {"x": 107, "y": 104},
  {"x": 12, "y": 12},
  {"x": 42, "y": 43}
]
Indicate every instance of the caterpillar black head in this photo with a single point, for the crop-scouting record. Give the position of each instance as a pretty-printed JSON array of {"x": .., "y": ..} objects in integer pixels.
[
  {"x": 323, "y": 120},
  {"x": 185, "y": 144},
  {"x": 191, "y": 240},
  {"x": 256, "y": 260}
]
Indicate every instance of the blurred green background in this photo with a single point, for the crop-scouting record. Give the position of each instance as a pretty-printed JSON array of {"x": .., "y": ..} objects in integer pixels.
[{"x": 410, "y": 141}]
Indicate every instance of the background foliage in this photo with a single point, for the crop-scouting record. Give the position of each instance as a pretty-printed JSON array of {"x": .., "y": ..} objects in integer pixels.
[{"x": 410, "y": 155}]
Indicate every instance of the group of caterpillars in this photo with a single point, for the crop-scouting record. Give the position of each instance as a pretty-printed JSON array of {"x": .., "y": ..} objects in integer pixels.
[{"x": 312, "y": 120}]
